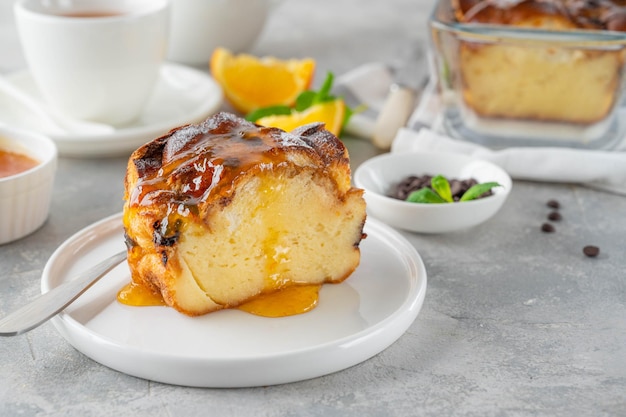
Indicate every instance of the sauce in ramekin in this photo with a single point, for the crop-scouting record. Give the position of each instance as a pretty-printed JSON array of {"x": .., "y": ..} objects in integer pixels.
[{"x": 12, "y": 163}]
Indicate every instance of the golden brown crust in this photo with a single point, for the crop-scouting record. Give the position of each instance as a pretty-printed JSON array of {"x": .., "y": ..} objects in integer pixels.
[
  {"x": 546, "y": 14},
  {"x": 181, "y": 167}
]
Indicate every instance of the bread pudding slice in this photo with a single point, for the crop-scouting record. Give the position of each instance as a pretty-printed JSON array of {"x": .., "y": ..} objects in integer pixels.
[{"x": 224, "y": 211}]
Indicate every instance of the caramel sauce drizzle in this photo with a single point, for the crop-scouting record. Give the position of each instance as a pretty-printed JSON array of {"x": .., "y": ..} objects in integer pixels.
[
  {"x": 137, "y": 295},
  {"x": 194, "y": 166},
  {"x": 289, "y": 301}
]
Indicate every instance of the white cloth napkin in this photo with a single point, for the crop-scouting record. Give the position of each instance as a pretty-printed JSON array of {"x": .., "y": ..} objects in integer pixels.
[
  {"x": 368, "y": 86},
  {"x": 605, "y": 170}
]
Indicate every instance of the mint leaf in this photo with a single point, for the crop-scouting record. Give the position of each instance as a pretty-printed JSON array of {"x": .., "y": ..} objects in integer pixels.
[
  {"x": 309, "y": 98},
  {"x": 305, "y": 100},
  {"x": 324, "y": 93},
  {"x": 425, "y": 195},
  {"x": 255, "y": 115},
  {"x": 478, "y": 190},
  {"x": 442, "y": 187}
]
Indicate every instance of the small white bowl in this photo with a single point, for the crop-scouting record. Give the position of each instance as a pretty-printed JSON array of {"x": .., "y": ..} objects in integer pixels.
[
  {"x": 25, "y": 197},
  {"x": 378, "y": 175}
]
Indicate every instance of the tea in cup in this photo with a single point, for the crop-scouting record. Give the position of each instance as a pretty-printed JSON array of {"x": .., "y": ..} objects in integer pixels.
[{"x": 94, "y": 60}]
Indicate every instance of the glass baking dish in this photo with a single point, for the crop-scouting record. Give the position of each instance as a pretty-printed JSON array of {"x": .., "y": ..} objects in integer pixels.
[{"x": 506, "y": 86}]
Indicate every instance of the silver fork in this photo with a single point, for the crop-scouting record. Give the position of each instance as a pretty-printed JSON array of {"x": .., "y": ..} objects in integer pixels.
[{"x": 49, "y": 304}]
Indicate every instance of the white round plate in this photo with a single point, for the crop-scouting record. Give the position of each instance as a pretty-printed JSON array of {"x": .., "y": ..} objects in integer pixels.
[
  {"x": 353, "y": 321},
  {"x": 182, "y": 95}
]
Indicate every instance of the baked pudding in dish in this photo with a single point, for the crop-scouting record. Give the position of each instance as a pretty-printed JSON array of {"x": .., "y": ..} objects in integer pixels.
[
  {"x": 221, "y": 213},
  {"x": 556, "y": 64},
  {"x": 541, "y": 83}
]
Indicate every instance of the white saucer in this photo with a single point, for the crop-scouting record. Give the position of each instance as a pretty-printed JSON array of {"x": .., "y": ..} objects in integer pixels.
[
  {"x": 353, "y": 321},
  {"x": 183, "y": 95}
]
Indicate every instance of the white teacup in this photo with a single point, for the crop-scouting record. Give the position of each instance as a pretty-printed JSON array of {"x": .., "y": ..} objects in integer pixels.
[
  {"x": 199, "y": 26},
  {"x": 94, "y": 60}
]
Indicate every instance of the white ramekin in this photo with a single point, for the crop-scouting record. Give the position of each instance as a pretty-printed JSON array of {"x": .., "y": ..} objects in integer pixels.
[{"x": 25, "y": 197}]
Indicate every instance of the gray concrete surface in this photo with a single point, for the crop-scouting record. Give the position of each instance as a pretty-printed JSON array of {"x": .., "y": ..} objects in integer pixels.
[{"x": 515, "y": 322}]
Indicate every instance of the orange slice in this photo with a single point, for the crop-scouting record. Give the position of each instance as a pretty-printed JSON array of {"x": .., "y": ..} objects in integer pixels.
[
  {"x": 250, "y": 83},
  {"x": 331, "y": 113}
]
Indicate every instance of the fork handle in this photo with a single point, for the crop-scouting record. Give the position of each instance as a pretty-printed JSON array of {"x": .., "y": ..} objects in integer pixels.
[{"x": 52, "y": 302}]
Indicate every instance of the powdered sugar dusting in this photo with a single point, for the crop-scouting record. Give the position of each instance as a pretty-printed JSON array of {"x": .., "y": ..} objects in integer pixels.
[{"x": 289, "y": 139}]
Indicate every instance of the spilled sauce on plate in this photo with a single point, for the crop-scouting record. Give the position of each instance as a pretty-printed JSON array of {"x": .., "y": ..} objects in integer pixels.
[{"x": 288, "y": 301}]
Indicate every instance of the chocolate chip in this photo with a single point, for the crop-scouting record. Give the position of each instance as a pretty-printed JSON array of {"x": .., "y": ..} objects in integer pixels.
[
  {"x": 555, "y": 216},
  {"x": 591, "y": 251},
  {"x": 456, "y": 187},
  {"x": 553, "y": 204},
  {"x": 548, "y": 228}
]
